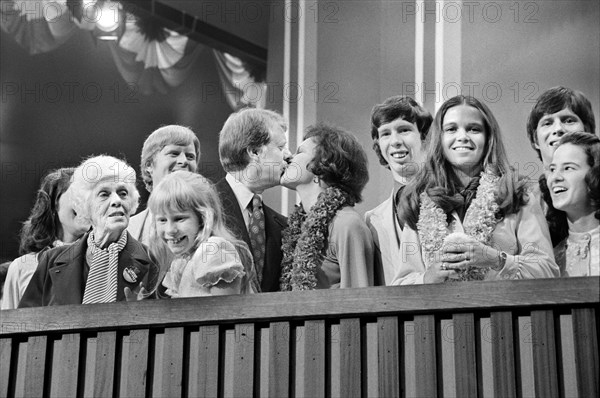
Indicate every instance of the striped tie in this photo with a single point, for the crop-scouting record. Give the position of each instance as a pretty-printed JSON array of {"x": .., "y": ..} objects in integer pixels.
[
  {"x": 101, "y": 285},
  {"x": 256, "y": 230}
]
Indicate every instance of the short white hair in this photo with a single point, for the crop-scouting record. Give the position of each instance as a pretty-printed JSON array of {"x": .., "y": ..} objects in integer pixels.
[{"x": 98, "y": 169}]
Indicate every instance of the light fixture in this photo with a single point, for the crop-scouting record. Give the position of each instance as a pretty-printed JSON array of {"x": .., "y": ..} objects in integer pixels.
[{"x": 109, "y": 20}]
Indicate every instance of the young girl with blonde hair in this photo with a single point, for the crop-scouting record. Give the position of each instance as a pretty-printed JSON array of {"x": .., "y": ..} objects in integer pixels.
[{"x": 188, "y": 222}]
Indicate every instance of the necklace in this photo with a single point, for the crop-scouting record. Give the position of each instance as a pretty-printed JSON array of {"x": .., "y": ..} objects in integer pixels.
[
  {"x": 304, "y": 240},
  {"x": 479, "y": 223}
]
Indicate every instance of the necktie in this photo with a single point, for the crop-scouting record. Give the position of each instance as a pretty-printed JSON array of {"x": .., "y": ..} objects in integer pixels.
[
  {"x": 256, "y": 230},
  {"x": 101, "y": 285}
]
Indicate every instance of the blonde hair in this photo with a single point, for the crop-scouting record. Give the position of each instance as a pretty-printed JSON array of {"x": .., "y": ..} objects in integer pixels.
[
  {"x": 97, "y": 169},
  {"x": 184, "y": 191},
  {"x": 166, "y": 135}
]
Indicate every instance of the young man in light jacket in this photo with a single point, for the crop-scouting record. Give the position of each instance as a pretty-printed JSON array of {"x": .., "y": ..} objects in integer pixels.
[{"x": 399, "y": 128}]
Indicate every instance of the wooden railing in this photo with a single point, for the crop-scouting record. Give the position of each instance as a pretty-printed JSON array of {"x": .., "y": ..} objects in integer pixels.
[{"x": 497, "y": 339}]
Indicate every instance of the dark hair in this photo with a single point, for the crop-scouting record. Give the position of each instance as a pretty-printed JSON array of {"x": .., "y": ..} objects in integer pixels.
[
  {"x": 340, "y": 160},
  {"x": 43, "y": 227},
  {"x": 557, "y": 219},
  {"x": 398, "y": 107},
  {"x": 248, "y": 128},
  {"x": 439, "y": 179},
  {"x": 554, "y": 100}
]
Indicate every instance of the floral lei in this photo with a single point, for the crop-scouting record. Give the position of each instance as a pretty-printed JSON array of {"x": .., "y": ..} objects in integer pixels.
[
  {"x": 479, "y": 223},
  {"x": 304, "y": 240}
]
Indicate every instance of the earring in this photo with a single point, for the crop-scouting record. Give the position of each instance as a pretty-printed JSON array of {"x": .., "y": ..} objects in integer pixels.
[{"x": 316, "y": 180}]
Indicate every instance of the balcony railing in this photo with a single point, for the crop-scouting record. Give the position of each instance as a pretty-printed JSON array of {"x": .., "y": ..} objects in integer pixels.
[{"x": 496, "y": 339}]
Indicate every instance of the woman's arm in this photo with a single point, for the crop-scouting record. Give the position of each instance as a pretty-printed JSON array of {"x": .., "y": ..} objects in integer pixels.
[
  {"x": 411, "y": 267},
  {"x": 34, "y": 294},
  {"x": 353, "y": 246},
  {"x": 520, "y": 248},
  {"x": 534, "y": 257}
]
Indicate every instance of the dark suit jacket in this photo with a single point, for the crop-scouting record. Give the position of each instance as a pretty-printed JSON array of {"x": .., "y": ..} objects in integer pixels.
[
  {"x": 274, "y": 224},
  {"x": 60, "y": 277}
]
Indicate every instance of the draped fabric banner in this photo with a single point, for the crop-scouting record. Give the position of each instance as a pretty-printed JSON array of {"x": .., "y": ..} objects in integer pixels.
[
  {"x": 153, "y": 65},
  {"x": 37, "y": 26},
  {"x": 237, "y": 84}
]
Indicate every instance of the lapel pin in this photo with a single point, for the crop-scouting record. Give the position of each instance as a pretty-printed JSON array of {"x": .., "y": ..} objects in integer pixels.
[{"x": 131, "y": 274}]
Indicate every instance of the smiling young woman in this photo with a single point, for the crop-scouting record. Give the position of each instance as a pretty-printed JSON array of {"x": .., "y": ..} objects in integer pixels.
[
  {"x": 468, "y": 216},
  {"x": 574, "y": 214}
]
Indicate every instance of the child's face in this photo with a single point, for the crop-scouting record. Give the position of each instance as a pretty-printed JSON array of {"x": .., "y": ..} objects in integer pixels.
[
  {"x": 553, "y": 126},
  {"x": 178, "y": 230}
]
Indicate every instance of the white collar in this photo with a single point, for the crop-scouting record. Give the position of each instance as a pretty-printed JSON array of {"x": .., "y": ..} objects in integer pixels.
[{"x": 241, "y": 191}]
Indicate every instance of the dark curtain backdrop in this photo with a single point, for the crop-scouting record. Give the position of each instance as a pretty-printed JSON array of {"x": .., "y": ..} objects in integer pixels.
[{"x": 60, "y": 107}]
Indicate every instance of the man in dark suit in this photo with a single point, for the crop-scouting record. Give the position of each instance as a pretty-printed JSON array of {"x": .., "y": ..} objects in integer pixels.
[{"x": 253, "y": 151}]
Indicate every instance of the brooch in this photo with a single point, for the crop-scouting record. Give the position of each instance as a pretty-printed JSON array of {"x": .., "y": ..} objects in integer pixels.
[{"x": 131, "y": 274}]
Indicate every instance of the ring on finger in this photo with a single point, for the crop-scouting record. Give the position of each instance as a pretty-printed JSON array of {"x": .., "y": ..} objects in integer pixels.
[{"x": 443, "y": 267}]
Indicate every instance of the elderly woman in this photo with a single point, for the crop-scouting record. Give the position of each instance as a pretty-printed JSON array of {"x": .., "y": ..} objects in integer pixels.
[
  {"x": 327, "y": 244},
  {"x": 105, "y": 262},
  {"x": 167, "y": 149},
  {"x": 574, "y": 215}
]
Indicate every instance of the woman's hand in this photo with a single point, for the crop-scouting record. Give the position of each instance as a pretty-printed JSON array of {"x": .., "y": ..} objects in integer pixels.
[
  {"x": 461, "y": 255},
  {"x": 438, "y": 273},
  {"x": 137, "y": 294}
]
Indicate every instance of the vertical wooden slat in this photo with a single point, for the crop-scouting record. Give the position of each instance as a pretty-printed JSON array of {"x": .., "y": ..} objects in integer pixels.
[
  {"x": 279, "y": 359},
  {"x": 35, "y": 367},
  {"x": 409, "y": 358},
  {"x": 465, "y": 356},
  {"x": 425, "y": 356},
  {"x": 350, "y": 358},
  {"x": 243, "y": 366},
  {"x": 5, "y": 364},
  {"x": 172, "y": 366},
  {"x": 137, "y": 369},
  {"x": 314, "y": 359},
  {"x": 106, "y": 347},
  {"x": 503, "y": 354},
  {"x": 332, "y": 386},
  {"x": 586, "y": 351},
  {"x": 204, "y": 362},
  {"x": 389, "y": 353},
  {"x": 261, "y": 359},
  {"x": 484, "y": 348},
  {"x": 545, "y": 368},
  {"x": 445, "y": 357},
  {"x": 65, "y": 368},
  {"x": 566, "y": 356}
]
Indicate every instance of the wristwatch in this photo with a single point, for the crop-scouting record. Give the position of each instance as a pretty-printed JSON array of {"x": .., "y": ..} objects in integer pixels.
[{"x": 501, "y": 262}]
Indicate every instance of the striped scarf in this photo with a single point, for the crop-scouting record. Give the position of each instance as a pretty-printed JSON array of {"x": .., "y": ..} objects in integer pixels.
[{"x": 101, "y": 285}]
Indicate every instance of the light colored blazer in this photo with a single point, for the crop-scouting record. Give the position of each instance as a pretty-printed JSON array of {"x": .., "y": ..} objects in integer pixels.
[
  {"x": 524, "y": 236},
  {"x": 386, "y": 235},
  {"x": 139, "y": 227}
]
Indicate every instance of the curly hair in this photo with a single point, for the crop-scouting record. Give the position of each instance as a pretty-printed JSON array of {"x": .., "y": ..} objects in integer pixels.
[
  {"x": 160, "y": 138},
  {"x": 557, "y": 219},
  {"x": 340, "y": 160},
  {"x": 441, "y": 182},
  {"x": 96, "y": 170},
  {"x": 554, "y": 100},
  {"x": 43, "y": 227},
  {"x": 398, "y": 107}
]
